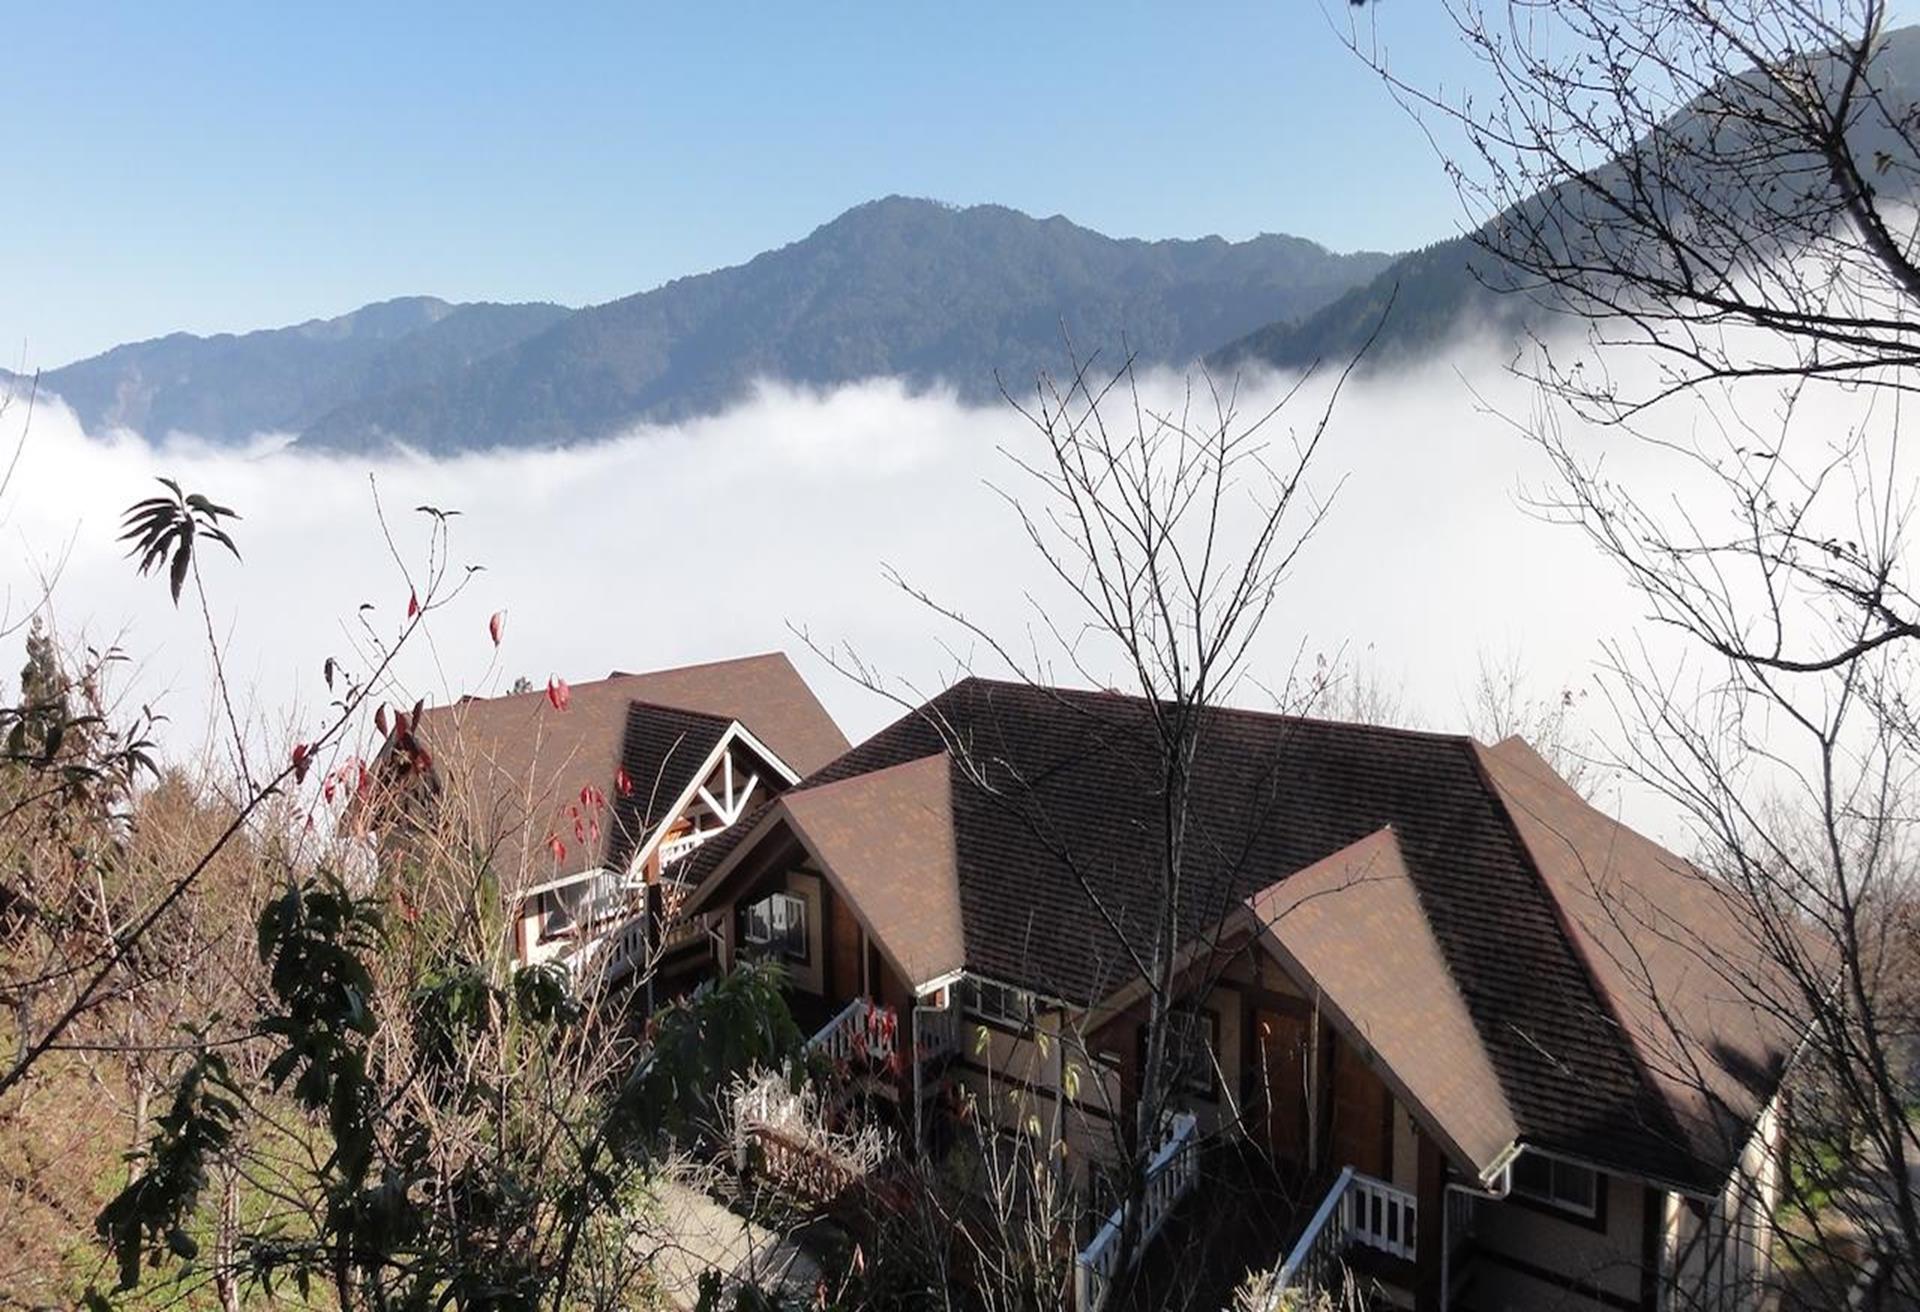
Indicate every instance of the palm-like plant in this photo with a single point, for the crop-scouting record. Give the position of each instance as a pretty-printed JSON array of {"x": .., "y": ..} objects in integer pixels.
[{"x": 163, "y": 528}]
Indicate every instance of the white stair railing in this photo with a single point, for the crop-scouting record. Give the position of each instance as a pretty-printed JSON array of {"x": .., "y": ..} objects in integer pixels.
[
  {"x": 1171, "y": 1173},
  {"x": 1358, "y": 1209}
]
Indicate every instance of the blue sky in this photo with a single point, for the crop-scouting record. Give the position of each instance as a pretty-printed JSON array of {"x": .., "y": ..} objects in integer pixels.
[{"x": 223, "y": 167}]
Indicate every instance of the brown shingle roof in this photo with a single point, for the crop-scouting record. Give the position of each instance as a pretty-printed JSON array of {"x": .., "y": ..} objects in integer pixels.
[
  {"x": 517, "y": 763},
  {"x": 1670, "y": 951},
  {"x": 1055, "y": 812}
]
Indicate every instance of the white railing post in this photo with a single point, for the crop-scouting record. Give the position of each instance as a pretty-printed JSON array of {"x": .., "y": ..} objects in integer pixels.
[{"x": 675, "y": 848}]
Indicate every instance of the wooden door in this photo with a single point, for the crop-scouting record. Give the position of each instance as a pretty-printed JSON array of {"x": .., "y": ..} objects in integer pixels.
[{"x": 1281, "y": 1039}]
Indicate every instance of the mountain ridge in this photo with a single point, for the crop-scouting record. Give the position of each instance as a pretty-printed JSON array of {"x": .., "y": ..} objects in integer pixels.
[
  {"x": 1457, "y": 281},
  {"x": 925, "y": 290}
]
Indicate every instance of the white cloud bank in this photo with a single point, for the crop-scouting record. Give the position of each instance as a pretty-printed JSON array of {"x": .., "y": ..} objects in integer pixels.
[{"x": 708, "y": 539}]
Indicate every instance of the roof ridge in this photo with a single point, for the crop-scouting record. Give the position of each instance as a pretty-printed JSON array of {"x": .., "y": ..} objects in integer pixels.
[
  {"x": 1563, "y": 924},
  {"x": 775, "y": 654},
  {"x": 803, "y": 788},
  {"x": 1245, "y": 712}
]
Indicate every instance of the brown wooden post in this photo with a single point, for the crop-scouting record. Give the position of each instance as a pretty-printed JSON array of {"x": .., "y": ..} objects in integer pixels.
[{"x": 1431, "y": 1209}]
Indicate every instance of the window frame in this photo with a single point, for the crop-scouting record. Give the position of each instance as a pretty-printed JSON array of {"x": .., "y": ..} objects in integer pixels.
[
  {"x": 577, "y": 907},
  {"x": 794, "y": 940},
  {"x": 1552, "y": 1194},
  {"x": 1013, "y": 1008}
]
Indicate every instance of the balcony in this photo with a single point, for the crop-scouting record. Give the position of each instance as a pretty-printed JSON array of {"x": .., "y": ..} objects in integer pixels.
[
  {"x": 675, "y": 848},
  {"x": 605, "y": 950}
]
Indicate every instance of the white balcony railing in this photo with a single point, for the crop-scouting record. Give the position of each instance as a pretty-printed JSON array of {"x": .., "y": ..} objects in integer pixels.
[
  {"x": 675, "y": 848},
  {"x": 936, "y": 1032},
  {"x": 1383, "y": 1217},
  {"x": 1358, "y": 1209},
  {"x": 863, "y": 1029},
  {"x": 607, "y": 951},
  {"x": 1170, "y": 1174}
]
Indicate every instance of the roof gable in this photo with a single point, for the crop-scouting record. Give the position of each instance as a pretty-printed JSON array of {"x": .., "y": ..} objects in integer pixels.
[
  {"x": 1352, "y": 927},
  {"x": 886, "y": 841},
  {"x": 517, "y": 762}
]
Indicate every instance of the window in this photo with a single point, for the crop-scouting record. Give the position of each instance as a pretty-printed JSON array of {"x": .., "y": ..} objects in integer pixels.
[
  {"x": 1192, "y": 1039},
  {"x": 779, "y": 924},
  {"x": 999, "y": 1004},
  {"x": 1559, "y": 1184}
]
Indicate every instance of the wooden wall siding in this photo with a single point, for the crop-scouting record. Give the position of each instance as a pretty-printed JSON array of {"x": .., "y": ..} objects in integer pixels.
[
  {"x": 1360, "y": 1129},
  {"x": 845, "y": 948},
  {"x": 1219, "y": 1107},
  {"x": 1529, "y": 1255},
  {"x": 1406, "y": 1148}
]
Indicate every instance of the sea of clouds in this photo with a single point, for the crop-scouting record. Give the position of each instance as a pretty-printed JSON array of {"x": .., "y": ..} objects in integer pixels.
[{"x": 732, "y": 534}]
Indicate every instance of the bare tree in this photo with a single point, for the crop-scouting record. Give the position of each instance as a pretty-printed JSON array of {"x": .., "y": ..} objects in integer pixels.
[
  {"x": 1503, "y": 706},
  {"x": 1727, "y": 185},
  {"x": 1727, "y": 190}
]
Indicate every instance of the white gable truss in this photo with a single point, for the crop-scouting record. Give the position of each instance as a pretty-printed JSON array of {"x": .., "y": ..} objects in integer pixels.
[{"x": 727, "y": 785}]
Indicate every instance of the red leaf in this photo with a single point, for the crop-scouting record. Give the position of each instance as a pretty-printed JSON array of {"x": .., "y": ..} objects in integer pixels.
[
  {"x": 622, "y": 783},
  {"x": 586, "y": 794},
  {"x": 579, "y": 832},
  {"x": 495, "y": 624},
  {"x": 302, "y": 758},
  {"x": 413, "y": 604},
  {"x": 558, "y": 693},
  {"x": 558, "y": 848}
]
